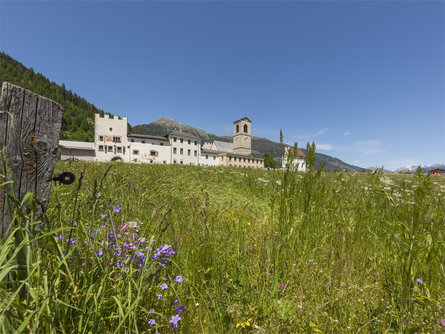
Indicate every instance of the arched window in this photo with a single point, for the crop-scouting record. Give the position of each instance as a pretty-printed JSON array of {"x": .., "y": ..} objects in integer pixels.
[
  {"x": 237, "y": 128},
  {"x": 245, "y": 128}
]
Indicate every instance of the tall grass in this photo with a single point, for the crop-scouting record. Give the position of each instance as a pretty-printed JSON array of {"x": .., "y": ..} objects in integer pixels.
[{"x": 263, "y": 251}]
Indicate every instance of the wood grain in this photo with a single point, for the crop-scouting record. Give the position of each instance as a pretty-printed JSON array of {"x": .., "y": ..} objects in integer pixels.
[{"x": 29, "y": 138}]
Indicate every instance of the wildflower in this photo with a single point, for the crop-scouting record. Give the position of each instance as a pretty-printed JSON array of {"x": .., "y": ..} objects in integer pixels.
[
  {"x": 117, "y": 209},
  {"x": 442, "y": 322},
  {"x": 174, "y": 320},
  {"x": 175, "y": 302},
  {"x": 178, "y": 279},
  {"x": 152, "y": 322},
  {"x": 164, "y": 286},
  {"x": 181, "y": 309},
  {"x": 151, "y": 310},
  {"x": 249, "y": 223},
  {"x": 281, "y": 286},
  {"x": 419, "y": 281},
  {"x": 104, "y": 215},
  {"x": 100, "y": 253},
  {"x": 159, "y": 296},
  {"x": 119, "y": 263}
]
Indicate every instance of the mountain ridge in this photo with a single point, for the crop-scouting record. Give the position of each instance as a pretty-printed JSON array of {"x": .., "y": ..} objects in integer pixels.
[{"x": 260, "y": 145}]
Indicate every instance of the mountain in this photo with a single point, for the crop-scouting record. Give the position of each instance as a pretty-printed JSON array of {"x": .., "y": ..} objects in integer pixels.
[
  {"x": 164, "y": 125},
  {"x": 412, "y": 169},
  {"x": 78, "y": 115}
]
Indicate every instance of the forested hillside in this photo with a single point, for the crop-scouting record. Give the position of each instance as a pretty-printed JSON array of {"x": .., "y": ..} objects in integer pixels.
[{"x": 78, "y": 116}]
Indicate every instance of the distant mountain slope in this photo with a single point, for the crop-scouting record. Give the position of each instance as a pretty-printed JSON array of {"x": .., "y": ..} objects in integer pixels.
[
  {"x": 260, "y": 145},
  {"x": 78, "y": 115},
  {"x": 412, "y": 169}
]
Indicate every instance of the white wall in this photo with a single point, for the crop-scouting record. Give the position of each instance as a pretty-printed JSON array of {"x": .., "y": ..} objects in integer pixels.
[
  {"x": 106, "y": 132},
  {"x": 152, "y": 151},
  {"x": 187, "y": 152}
]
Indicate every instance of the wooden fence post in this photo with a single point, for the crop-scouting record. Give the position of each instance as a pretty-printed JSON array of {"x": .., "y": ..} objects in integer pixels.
[{"x": 29, "y": 139}]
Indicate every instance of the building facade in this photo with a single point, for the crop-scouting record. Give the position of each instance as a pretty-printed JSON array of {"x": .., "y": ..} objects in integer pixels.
[
  {"x": 113, "y": 142},
  {"x": 294, "y": 159}
]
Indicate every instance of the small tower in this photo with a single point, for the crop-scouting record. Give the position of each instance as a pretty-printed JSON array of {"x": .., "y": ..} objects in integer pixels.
[{"x": 242, "y": 139}]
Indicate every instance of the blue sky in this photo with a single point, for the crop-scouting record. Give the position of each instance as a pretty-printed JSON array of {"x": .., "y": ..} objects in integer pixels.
[{"x": 365, "y": 80}]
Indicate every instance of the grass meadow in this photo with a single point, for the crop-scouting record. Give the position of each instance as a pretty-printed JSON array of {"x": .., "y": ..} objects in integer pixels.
[{"x": 169, "y": 248}]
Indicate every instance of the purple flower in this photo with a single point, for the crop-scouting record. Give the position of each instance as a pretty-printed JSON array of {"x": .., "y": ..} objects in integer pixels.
[
  {"x": 100, "y": 253},
  {"x": 159, "y": 296},
  {"x": 119, "y": 263},
  {"x": 442, "y": 322},
  {"x": 419, "y": 281},
  {"x": 178, "y": 279},
  {"x": 174, "y": 320},
  {"x": 117, "y": 209},
  {"x": 181, "y": 309},
  {"x": 152, "y": 310},
  {"x": 164, "y": 286},
  {"x": 104, "y": 215},
  {"x": 175, "y": 302},
  {"x": 152, "y": 322}
]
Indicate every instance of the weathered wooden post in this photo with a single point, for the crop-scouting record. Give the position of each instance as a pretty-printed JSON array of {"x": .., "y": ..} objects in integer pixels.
[{"x": 29, "y": 139}]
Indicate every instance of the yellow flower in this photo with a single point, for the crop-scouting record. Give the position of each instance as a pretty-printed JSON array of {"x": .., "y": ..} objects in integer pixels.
[{"x": 249, "y": 223}]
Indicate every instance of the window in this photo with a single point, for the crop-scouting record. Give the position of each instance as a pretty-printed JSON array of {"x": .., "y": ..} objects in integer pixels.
[
  {"x": 135, "y": 152},
  {"x": 101, "y": 147},
  {"x": 189, "y": 152},
  {"x": 174, "y": 150},
  {"x": 101, "y": 138},
  {"x": 143, "y": 142},
  {"x": 132, "y": 140},
  {"x": 244, "y": 159},
  {"x": 189, "y": 141},
  {"x": 245, "y": 128},
  {"x": 182, "y": 162},
  {"x": 174, "y": 161},
  {"x": 165, "y": 161},
  {"x": 230, "y": 159},
  {"x": 207, "y": 156},
  {"x": 116, "y": 139},
  {"x": 181, "y": 140},
  {"x": 214, "y": 158},
  {"x": 181, "y": 151},
  {"x": 111, "y": 129},
  {"x": 248, "y": 160},
  {"x": 196, "y": 142},
  {"x": 119, "y": 149},
  {"x": 110, "y": 148},
  {"x": 124, "y": 149},
  {"x": 154, "y": 153},
  {"x": 237, "y": 128},
  {"x": 174, "y": 139},
  {"x": 196, "y": 153},
  {"x": 162, "y": 144}
]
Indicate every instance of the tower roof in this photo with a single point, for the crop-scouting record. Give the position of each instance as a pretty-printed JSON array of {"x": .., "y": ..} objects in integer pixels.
[{"x": 242, "y": 119}]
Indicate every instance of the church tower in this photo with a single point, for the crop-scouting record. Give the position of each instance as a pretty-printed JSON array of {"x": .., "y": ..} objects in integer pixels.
[{"x": 242, "y": 139}]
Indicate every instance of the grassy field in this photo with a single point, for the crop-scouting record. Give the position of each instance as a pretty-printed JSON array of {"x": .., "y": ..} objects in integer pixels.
[{"x": 146, "y": 248}]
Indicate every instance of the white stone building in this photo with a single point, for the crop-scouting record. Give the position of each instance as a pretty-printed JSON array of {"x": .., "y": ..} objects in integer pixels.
[
  {"x": 297, "y": 159},
  {"x": 112, "y": 142}
]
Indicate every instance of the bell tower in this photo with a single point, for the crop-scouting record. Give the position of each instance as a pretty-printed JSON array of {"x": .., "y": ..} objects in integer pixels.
[{"x": 242, "y": 139}]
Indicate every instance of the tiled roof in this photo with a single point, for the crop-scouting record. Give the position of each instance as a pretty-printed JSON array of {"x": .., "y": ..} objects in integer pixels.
[
  {"x": 244, "y": 118},
  {"x": 223, "y": 146},
  {"x": 81, "y": 145},
  {"x": 135, "y": 135},
  {"x": 204, "y": 150},
  {"x": 183, "y": 134}
]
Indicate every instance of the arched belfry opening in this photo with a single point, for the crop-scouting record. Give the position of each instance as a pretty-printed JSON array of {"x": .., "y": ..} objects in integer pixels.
[{"x": 242, "y": 140}]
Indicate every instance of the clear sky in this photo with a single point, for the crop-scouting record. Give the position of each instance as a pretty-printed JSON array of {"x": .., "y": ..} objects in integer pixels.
[{"x": 363, "y": 79}]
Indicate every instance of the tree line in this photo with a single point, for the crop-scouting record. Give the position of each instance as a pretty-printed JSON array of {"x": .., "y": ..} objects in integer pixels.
[{"x": 78, "y": 116}]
